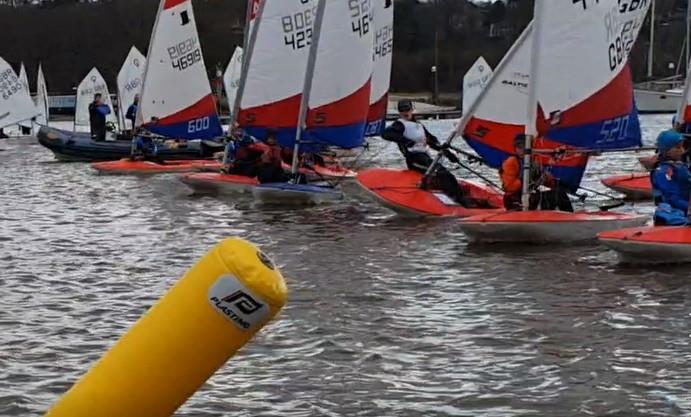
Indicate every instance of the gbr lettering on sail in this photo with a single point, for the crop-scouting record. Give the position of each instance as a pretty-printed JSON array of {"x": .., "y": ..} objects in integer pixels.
[{"x": 622, "y": 24}]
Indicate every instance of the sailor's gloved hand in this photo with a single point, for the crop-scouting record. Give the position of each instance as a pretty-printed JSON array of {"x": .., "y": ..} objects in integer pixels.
[
  {"x": 409, "y": 143},
  {"x": 445, "y": 146},
  {"x": 451, "y": 157}
]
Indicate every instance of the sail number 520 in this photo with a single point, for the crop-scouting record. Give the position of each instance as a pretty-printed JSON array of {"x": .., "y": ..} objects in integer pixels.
[{"x": 614, "y": 130}]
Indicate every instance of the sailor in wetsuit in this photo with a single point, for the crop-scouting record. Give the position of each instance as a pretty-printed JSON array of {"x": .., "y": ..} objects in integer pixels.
[
  {"x": 671, "y": 181},
  {"x": 414, "y": 140}
]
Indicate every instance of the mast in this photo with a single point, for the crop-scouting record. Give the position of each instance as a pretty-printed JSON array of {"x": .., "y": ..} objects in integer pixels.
[
  {"x": 651, "y": 47},
  {"x": 246, "y": 58},
  {"x": 307, "y": 89},
  {"x": 531, "y": 116},
  {"x": 688, "y": 32},
  {"x": 250, "y": 40}
]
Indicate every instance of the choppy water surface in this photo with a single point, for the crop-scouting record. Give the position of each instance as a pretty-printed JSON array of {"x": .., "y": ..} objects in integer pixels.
[{"x": 386, "y": 316}]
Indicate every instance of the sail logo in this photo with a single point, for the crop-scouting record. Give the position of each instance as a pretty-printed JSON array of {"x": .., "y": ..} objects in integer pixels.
[{"x": 237, "y": 303}]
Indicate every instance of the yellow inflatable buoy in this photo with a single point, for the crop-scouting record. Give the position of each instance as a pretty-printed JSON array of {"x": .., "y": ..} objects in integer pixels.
[{"x": 214, "y": 310}]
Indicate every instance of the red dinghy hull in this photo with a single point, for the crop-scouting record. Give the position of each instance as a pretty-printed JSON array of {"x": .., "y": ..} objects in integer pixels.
[
  {"x": 650, "y": 245},
  {"x": 545, "y": 226},
  {"x": 218, "y": 183},
  {"x": 400, "y": 192},
  {"x": 648, "y": 162},
  {"x": 633, "y": 186},
  {"x": 128, "y": 167}
]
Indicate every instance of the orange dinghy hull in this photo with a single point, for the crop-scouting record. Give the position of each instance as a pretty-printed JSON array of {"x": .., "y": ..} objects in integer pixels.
[
  {"x": 650, "y": 245},
  {"x": 545, "y": 226},
  {"x": 219, "y": 183},
  {"x": 633, "y": 186},
  {"x": 127, "y": 166},
  {"x": 400, "y": 192}
]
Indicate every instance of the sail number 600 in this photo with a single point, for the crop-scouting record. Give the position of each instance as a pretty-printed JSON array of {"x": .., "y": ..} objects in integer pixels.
[{"x": 198, "y": 125}]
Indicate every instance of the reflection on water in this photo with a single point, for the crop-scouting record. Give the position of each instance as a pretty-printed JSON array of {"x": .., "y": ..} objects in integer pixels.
[{"x": 386, "y": 316}]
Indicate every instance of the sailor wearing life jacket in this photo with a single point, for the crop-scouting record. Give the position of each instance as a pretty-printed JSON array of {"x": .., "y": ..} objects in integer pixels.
[
  {"x": 671, "y": 180},
  {"x": 414, "y": 142},
  {"x": 511, "y": 173}
]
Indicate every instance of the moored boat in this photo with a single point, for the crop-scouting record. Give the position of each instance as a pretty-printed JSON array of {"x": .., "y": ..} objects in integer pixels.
[{"x": 80, "y": 147}]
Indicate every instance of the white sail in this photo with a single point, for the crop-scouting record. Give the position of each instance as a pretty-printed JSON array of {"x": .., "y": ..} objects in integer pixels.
[
  {"x": 231, "y": 78},
  {"x": 15, "y": 102},
  {"x": 340, "y": 85},
  {"x": 25, "y": 82},
  {"x": 382, "y": 17},
  {"x": 271, "y": 92},
  {"x": 42, "y": 107},
  {"x": 474, "y": 81},
  {"x": 92, "y": 84},
  {"x": 129, "y": 83},
  {"x": 176, "y": 99}
]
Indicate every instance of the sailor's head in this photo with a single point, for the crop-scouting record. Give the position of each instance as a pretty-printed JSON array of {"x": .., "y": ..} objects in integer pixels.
[
  {"x": 271, "y": 138},
  {"x": 406, "y": 109},
  {"x": 136, "y": 98},
  {"x": 519, "y": 144},
  {"x": 670, "y": 144},
  {"x": 97, "y": 98}
]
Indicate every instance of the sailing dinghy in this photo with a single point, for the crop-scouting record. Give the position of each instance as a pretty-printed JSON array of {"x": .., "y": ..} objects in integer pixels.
[
  {"x": 568, "y": 42},
  {"x": 314, "y": 101},
  {"x": 16, "y": 105},
  {"x": 130, "y": 80},
  {"x": 335, "y": 100},
  {"x": 232, "y": 75},
  {"x": 474, "y": 81},
  {"x": 42, "y": 106},
  {"x": 382, "y": 21},
  {"x": 186, "y": 112},
  {"x": 93, "y": 83},
  {"x": 26, "y": 125}
]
